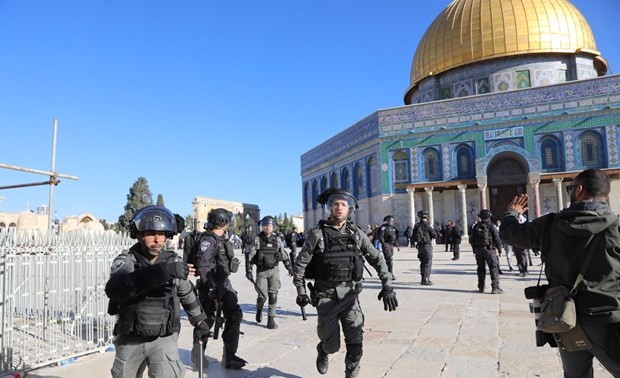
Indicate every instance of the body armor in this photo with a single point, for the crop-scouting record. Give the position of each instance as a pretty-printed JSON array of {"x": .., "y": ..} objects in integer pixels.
[
  {"x": 267, "y": 252},
  {"x": 225, "y": 261},
  {"x": 154, "y": 315},
  {"x": 390, "y": 234},
  {"x": 340, "y": 260}
]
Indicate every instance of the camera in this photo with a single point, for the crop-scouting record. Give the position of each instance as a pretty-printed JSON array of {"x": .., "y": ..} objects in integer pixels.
[{"x": 535, "y": 294}]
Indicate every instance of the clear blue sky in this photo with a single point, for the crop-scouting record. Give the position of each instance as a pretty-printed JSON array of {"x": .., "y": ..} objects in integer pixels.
[{"x": 210, "y": 98}]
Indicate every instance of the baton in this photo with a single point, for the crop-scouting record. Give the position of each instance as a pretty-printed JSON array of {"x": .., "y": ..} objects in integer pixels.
[{"x": 200, "y": 367}]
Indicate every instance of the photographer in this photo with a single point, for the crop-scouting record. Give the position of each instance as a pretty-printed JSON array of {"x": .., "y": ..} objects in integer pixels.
[{"x": 586, "y": 227}]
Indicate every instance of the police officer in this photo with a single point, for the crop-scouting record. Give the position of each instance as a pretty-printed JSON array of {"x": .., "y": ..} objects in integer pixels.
[
  {"x": 388, "y": 236},
  {"x": 333, "y": 256},
  {"x": 267, "y": 251},
  {"x": 291, "y": 240},
  {"x": 423, "y": 234},
  {"x": 247, "y": 239},
  {"x": 217, "y": 262},
  {"x": 145, "y": 285},
  {"x": 487, "y": 249}
]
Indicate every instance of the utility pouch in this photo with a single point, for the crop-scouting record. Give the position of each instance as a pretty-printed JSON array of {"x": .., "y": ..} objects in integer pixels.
[
  {"x": 557, "y": 311},
  {"x": 153, "y": 318},
  {"x": 234, "y": 265},
  {"x": 573, "y": 340}
]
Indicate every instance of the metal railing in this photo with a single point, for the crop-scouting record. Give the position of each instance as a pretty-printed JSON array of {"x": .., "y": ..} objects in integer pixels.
[{"x": 53, "y": 305}]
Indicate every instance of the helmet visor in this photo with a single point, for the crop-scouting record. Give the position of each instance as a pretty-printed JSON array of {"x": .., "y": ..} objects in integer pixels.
[{"x": 340, "y": 199}]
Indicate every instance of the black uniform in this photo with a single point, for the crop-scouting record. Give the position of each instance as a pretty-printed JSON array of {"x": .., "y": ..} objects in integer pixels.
[
  {"x": 455, "y": 239},
  {"x": 423, "y": 234},
  {"x": 217, "y": 262},
  {"x": 388, "y": 236},
  {"x": 291, "y": 240},
  {"x": 487, "y": 255}
]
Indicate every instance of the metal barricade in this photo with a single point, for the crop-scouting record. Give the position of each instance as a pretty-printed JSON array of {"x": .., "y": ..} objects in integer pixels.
[{"x": 53, "y": 305}]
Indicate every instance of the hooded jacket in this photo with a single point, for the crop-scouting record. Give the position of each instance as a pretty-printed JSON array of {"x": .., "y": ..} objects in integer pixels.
[{"x": 588, "y": 227}]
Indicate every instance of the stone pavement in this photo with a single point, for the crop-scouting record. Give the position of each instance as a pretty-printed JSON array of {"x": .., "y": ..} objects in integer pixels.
[{"x": 446, "y": 330}]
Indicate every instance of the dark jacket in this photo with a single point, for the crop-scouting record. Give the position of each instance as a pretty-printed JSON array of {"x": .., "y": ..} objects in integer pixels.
[{"x": 583, "y": 228}]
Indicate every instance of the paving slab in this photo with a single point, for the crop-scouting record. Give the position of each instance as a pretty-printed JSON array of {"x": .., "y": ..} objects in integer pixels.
[{"x": 448, "y": 330}]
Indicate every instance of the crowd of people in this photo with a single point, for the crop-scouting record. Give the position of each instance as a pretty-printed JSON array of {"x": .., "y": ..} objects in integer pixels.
[{"x": 148, "y": 284}]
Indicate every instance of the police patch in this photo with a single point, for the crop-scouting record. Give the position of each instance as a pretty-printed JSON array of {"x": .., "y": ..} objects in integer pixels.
[
  {"x": 205, "y": 245},
  {"x": 117, "y": 264}
]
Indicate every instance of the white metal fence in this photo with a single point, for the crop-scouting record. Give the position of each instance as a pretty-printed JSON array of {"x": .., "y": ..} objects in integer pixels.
[{"x": 53, "y": 305}]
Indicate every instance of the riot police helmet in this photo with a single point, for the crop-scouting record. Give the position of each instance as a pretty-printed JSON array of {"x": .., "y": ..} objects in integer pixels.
[
  {"x": 423, "y": 214},
  {"x": 268, "y": 220},
  {"x": 328, "y": 197},
  {"x": 218, "y": 218},
  {"x": 485, "y": 214},
  {"x": 154, "y": 218},
  {"x": 389, "y": 220}
]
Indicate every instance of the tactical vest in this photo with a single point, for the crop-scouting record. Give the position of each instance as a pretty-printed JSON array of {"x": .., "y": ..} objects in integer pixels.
[
  {"x": 267, "y": 254},
  {"x": 225, "y": 261},
  {"x": 390, "y": 235},
  {"x": 154, "y": 314},
  {"x": 339, "y": 260}
]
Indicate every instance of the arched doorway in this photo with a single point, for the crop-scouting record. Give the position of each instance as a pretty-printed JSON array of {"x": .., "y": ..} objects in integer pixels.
[{"x": 506, "y": 177}]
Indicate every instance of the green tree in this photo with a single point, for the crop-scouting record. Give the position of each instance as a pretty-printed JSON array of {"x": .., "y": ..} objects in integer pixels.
[
  {"x": 160, "y": 200},
  {"x": 139, "y": 196},
  {"x": 189, "y": 222}
]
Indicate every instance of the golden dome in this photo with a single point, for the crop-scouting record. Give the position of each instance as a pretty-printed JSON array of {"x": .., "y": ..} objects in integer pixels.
[{"x": 469, "y": 31}]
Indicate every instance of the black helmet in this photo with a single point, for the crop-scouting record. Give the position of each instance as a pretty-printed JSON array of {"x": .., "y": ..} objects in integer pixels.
[
  {"x": 327, "y": 197},
  {"x": 485, "y": 214},
  {"x": 153, "y": 218},
  {"x": 389, "y": 220},
  {"x": 218, "y": 217},
  {"x": 423, "y": 214},
  {"x": 268, "y": 220}
]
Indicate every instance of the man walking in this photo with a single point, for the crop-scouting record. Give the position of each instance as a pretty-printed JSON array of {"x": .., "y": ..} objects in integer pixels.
[
  {"x": 487, "y": 246},
  {"x": 424, "y": 233},
  {"x": 333, "y": 256}
]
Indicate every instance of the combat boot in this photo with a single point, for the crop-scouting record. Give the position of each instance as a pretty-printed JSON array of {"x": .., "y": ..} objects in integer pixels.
[
  {"x": 231, "y": 361},
  {"x": 271, "y": 324},
  {"x": 497, "y": 290},
  {"x": 322, "y": 360},
  {"x": 259, "y": 311}
]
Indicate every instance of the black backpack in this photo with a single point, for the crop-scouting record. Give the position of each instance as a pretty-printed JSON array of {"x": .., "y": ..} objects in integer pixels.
[
  {"x": 421, "y": 235},
  {"x": 481, "y": 235}
]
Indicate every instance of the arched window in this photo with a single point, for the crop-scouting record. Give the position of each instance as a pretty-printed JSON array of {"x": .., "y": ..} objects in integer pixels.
[
  {"x": 315, "y": 193},
  {"x": 373, "y": 184},
  {"x": 464, "y": 161},
  {"x": 431, "y": 165},
  {"x": 550, "y": 156},
  {"x": 323, "y": 184},
  {"x": 358, "y": 180},
  {"x": 333, "y": 180},
  {"x": 346, "y": 182},
  {"x": 307, "y": 198},
  {"x": 591, "y": 148},
  {"x": 400, "y": 167}
]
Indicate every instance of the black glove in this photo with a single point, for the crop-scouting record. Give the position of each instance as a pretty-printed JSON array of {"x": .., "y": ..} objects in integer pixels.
[
  {"x": 303, "y": 300},
  {"x": 249, "y": 276},
  {"x": 389, "y": 299},
  {"x": 202, "y": 332},
  {"x": 291, "y": 272},
  {"x": 178, "y": 269}
]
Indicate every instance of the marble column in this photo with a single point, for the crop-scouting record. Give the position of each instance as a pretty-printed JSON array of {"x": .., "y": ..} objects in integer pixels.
[
  {"x": 557, "y": 184},
  {"x": 482, "y": 188},
  {"x": 412, "y": 215},
  {"x": 464, "y": 224},
  {"x": 429, "y": 201},
  {"x": 534, "y": 181}
]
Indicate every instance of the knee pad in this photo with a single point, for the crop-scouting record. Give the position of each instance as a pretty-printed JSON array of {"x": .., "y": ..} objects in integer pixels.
[
  {"x": 273, "y": 298},
  {"x": 354, "y": 352}
]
